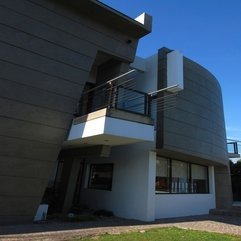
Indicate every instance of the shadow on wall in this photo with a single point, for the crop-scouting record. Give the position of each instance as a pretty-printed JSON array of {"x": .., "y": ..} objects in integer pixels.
[{"x": 235, "y": 170}]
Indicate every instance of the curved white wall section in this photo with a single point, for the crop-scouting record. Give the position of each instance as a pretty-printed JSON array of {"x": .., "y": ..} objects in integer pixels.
[{"x": 180, "y": 205}]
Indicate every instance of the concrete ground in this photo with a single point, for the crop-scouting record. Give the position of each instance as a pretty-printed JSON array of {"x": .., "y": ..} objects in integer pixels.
[{"x": 56, "y": 230}]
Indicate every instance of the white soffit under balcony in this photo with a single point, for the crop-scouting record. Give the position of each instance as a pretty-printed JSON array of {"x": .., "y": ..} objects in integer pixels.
[{"x": 108, "y": 131}]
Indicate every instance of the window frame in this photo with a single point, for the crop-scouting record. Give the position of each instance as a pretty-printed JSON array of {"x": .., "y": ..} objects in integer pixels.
[
  {"x": 92, "y": 165},
  {"x": 169, "y": 162},
  {"x": 167, "y": 178},
  {"x": 207, "y": 173}
]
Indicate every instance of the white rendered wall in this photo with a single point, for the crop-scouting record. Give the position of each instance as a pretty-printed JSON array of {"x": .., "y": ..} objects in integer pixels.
[
  {"x": 133, "y": 194},
  {"x": 178, "y": 205},
  {"x": 175, "y": 70},
  {"x": 147, "y": 81}
]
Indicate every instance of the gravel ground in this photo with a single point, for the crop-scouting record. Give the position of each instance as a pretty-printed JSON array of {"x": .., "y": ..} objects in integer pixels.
[{"x": 56, "y": 230}]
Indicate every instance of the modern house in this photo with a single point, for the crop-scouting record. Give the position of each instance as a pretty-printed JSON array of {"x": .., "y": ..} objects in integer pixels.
[{"x": 85, "y": 123}]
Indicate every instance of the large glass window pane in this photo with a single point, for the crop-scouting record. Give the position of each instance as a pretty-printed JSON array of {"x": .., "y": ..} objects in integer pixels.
[
  {"x": 101, "y": 176},
  {"x": 199, "y": 182},
  {"x": 162, "y": 175},
  {"x": 180, "y": 177},
  {"x": 130, "y": 100},
  {"x": 173, "y": 176}
]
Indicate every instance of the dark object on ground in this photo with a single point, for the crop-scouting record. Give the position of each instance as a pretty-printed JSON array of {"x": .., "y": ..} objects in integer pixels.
[{"x": 103, "y": 213}]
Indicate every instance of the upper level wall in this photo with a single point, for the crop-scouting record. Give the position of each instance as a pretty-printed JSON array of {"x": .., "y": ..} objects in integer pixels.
[
  {"x": 194, "y": 130},
  {"x": 46, "y": 53},
  {"x": 146, "y": 81}
]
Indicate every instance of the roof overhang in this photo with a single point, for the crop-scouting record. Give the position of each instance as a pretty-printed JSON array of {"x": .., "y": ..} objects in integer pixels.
[{"x": 110, "y": 17}]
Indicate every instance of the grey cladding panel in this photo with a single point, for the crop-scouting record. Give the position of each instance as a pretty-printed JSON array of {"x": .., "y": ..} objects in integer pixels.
[
  {"x": 198, "y": 108},
  {"x": 192, "y": 131},
  {"x": 37, "y": 97},
  {"x": 180, "y": 115},
  {"x": 44, "y": 48},
  {"x": 42, "y": 81},
  {"x": 46, "y": 54},
  {"x": 28, "y": 149},
  {"x": 194, "y": 147},
  {"x": 203, "y": 92},
  {"x": 22, "y": 186},
  {"x": 186, "y": 143},
  {"x": 90, "y": 32},
  {"x": 197, "y": 99},
  {"x": 68, "y": 15},
  {"x": 23, "y": 167},
  {"x": 45, "y": 32},
  {"x": 196, "y": 126},
  {"x": 201, "y": 80},
  {"x": 31, "y": 131},
  {"x": 18, "y": 206},
  {"x": 37, "y": 62},
  {"x": 35, "y": 114}
]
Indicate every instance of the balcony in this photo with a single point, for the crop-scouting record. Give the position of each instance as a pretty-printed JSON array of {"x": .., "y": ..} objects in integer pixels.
[
  {"x": 233, "y": 149},
  {"x": 113, "y": 113}
]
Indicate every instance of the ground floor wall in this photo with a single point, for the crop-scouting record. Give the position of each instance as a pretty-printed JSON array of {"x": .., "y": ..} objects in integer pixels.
[
  {"x": 133, "y": 183},
  {"x": 181, "y": 205},
  {"x": 178, "y": 205},
  {"x": 133, "y": 188}
]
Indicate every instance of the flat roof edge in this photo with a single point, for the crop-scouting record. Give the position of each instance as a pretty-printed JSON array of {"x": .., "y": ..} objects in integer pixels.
[
  {"x": 113, "y": 18},
  {"x": 143, "y": 23}
]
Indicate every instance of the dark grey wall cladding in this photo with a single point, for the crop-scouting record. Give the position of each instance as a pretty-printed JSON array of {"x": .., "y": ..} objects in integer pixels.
[
  {"x": 196, "y": 125},
  {"x": 46, "y": 53}
]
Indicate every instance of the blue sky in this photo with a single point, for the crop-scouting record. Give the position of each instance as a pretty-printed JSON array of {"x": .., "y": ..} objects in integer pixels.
[{"x": 207, "y": 31}]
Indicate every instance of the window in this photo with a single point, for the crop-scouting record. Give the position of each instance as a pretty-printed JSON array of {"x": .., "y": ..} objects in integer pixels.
[
  {"x": 162, "y": 175},
  {"x": 180, "y": 177},
  {"x": 199, "y": 182},
  {"x": 173, "y": 176},
  {"x": 101, "y": 176}
]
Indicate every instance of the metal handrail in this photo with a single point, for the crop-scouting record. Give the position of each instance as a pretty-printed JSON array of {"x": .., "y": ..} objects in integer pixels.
[
  {"x": 116, "y": 96},
  {"x": 162, "y": 90},
  {"x": 111, "y": 80},
  {"x": 234, "y": 146},
  {"x": 123, "y": 95}
]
